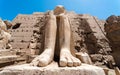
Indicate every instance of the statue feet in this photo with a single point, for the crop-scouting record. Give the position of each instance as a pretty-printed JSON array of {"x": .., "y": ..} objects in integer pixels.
[
  {"x": 67, "y": 59},
  {"x": 44, "y": 59}
]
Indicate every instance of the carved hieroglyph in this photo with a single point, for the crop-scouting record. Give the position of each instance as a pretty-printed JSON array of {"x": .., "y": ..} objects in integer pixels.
[
  {"x": 64, "y": 30},
  {"x": 4, "y": 35}
]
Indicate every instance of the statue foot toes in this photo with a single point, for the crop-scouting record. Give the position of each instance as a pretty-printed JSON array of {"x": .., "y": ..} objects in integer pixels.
[
  {"x": 69, "y": 61},
  {"x": 76, "y": 62},
  {"x": 63, "y": 62},
  {"x": 34, "y": 63},
  {"x": 42, "y": 60}
]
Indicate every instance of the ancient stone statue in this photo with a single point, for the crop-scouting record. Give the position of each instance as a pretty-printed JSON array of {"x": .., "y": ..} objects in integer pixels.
[
  {"x": 58, "y": 30},
  {"x": 4, "y": 35}
]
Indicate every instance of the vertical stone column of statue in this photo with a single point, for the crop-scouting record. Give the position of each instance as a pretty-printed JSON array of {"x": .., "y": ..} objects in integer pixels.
[
  {"x": 66, "y": 58},
  {"x": 50, "y": 36}
]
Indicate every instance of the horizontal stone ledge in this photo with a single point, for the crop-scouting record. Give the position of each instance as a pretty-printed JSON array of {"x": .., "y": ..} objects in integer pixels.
[
  {"x": 7, "y": 52},
  {"x": 52, "y": 69},
  {"x": 5, "y": 59}
]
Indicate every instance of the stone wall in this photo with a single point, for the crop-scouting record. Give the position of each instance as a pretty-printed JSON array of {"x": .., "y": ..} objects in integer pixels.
[
  {"x": 21, "y": 35},
  {"x": 88, "y": 33}
]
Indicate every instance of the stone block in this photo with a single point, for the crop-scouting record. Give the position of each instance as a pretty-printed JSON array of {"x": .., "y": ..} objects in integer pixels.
[
  {"x": 6, "y": 59},
  {"x": 84, "y": 57},
  {"x": 52, "y": 69},
  {"x": 11, "y": 58},
  {"x": 7, "y": 52}
]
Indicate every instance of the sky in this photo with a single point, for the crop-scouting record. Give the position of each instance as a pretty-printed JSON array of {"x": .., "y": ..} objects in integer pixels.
[{"x": 102, "y": 9}]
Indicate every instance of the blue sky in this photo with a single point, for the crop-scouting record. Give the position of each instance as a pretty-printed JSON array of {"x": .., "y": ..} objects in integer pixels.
[{"x": 100, "y": 8}]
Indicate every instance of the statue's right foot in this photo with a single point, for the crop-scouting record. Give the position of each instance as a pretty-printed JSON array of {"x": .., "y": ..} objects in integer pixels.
[{"x": 44, "y": 59}]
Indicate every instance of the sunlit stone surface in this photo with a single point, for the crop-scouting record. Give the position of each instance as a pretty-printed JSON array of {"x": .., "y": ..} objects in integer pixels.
[{"x": 52, "y": 69}]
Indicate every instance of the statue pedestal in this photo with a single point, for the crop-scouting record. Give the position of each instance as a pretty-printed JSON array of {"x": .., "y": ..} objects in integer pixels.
[{"x": 52, "y": 69}]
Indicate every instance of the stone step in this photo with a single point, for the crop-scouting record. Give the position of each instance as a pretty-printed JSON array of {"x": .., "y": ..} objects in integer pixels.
[
  {"x": 5, "y": 59},
  {"x": 52, "y": 69},
  {"x": 7, "y": 52},
  {"x": 12, "y": 58}
]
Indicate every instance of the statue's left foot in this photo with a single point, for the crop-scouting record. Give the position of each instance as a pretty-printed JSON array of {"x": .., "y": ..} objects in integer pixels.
[{"x": 66, "y": 59}]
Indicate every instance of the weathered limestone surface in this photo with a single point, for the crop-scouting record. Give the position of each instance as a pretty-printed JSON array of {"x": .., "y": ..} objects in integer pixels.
[
  {"x": 26, "y": 26},
  {"x": 7, "y": 52},
  {"x": 4, "y": 35},
  {"x": 7, "y": 56},
  {"x": 88, "y": 33},
  {"x": 86, "y": 30},
  {"x": 8, "y": 59},
  {"x": 52, "y": 69},
  {"x": 96, "y": 36},
  {"x": 84, "y": 57},
  {"x": 112, "y": 28},
  {"x": 89, "y": 36},
  {"x": 57, "y": 40}
]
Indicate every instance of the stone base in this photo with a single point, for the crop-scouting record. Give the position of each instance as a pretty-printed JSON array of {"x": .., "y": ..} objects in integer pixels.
[{"x": 52, "y": 69}]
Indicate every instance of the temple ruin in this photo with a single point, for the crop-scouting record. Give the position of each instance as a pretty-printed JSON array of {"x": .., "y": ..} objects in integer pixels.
[{"x": 89, "y": 34}]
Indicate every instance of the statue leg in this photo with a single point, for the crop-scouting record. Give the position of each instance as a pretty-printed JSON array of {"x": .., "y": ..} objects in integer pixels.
[
  {"x": 66, "y": 58},
  {"x": 50, "y": 36}
]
